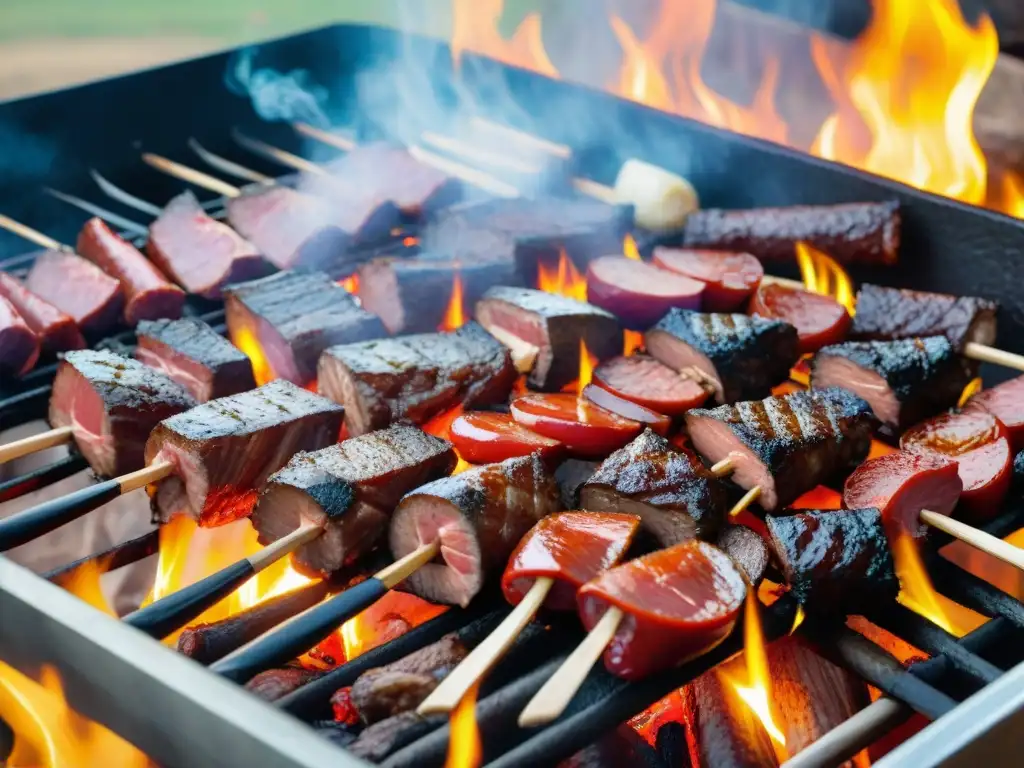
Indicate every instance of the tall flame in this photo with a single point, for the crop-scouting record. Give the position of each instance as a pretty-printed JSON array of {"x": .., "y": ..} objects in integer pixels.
[
  {"x": 455, "y": 314},
  {"x": 565, "y": 280},
  {"x": 822, "y": 274},
  {"x": 587, "y": 365},
  {"x": 918, "y": 594},
  {"x": 245, "y": 340},
  {"x": 630, "y": 249},
  {"x": 464, "y": 749},
  {"x": 475, "y": 28}
]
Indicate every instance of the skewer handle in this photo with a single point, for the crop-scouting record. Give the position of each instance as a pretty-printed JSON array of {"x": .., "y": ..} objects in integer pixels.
[
  {"x": 191, "y": 175},
  {"x": 988, "y": 354},
  {"x": 551, "y": 700},
  {"x": 35, "y": 443},
  {"x": 986, "y": 542}
]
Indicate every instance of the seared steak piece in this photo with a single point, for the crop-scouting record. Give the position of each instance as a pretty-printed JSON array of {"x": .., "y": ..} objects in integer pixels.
[
  {"x": 194, "y": 355},
  {"x": 199, "y": 253},
  {"x": 479, "y": 516},
  {"x": 785, "y": 445},
  {"x": 349, "y": 490},
  {"x": 19, "y": 345},
  {"x": 905, "y": 381},
  {"x": 884, "y": 314},
  {"x": 415, "y": 377},
  {"x": 55, "y": 330},
  {"x": 223, "y": 451},
  {"x": 835, "y": 560},
  {"x": 292, "y": 317},
  {"x": 548, "y": 328},
  {"x": 672, "y": 492},
  {"x": 742, "y": 356},
  {"x": 386, "y": 691},
  {"x": 78, "y": 288},
  {"x": 112, "y": 403}
]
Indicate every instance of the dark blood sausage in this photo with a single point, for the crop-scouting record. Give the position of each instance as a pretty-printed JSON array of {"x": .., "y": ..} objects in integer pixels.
[
  {"x": 651, "y": 384},
  {"x": 742, "y": 357},
  {"x": 835, "y": 561},
  {"x": 584, "y": 428},
  {"x": 671, "y": 491},
  {"x": 549, "y": 328},
  {"x": 479, "y": 516},
  {"x": 414, "y": 295},
  {"x": 853, "y": 233},
  {"x": 79, "y": 288},
  {"x": 747, "y": 549},
  {"x": 570, "y": 548},
  {"x": 112, "y": 403},
  {"x": 901, "y": 484},
  {"x": 884, "y": 314},
  {"x": 349, "y": 490},
  {"x": 979, "y": 445},
  {"x": 194, "y": 355},
  {"x": 677, "y": 603},
  {"x": 1006, "y": 402},
  {"x": 482, "y": 437},
  {"x": 55, "y": 330},
  {"x": 905, "y": 381},
  {"x": 223, "y": 451},
  {"x": 415, "y": 377},
  {"x": 637, "y": 293},
  {"x": 19, "y": 345},
  {"x": 199, "y": 253},
  {"x": 148, "y": 294},
  {"x": 610, "y": 401},
  {"x": 819, "y": 320},
  {"x": 785, "y": 445},
  {"x": 292, "y": 317},
  {"x": 729, "y": 278}
]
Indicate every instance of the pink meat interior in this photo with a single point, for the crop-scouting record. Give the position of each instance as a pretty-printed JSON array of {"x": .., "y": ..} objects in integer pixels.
[
  {"x": 677, "y": 355},
  {"x": 839, "y": 372},
  {"x": 715, "y": 441},
  {"x": 194, "y": 377},
  {"x": 74, "y": 403}
]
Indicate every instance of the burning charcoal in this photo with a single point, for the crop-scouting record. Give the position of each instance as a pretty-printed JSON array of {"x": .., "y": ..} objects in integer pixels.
[
  {"x": 742, "y": 356},
  {"x": 855, "y": 233},
  {"x": 571, "y": 476},
  {"x": 78, "y": 288},
  {"x": 747, "y": 549},
  {"x": 275, "y": 683},
  {"x": 194, "y": 355},
  {"x": 544, "y": 332},
  {"x": 291, "y": 317},
  {"x": 415, "y": 377},
  {"x": 417, "y": 295},
  {"x": 905, "y": 381},
  {"x": 56, "y": 331},
  {"x": 674, "y": 494},
  {"x": 19, "y": 345},
  {"x": 381, "y": 739},
  {"x": 349, "y": 490},
  {"x": 112, "y": 403},
  {"x": 223, "y": 451}
]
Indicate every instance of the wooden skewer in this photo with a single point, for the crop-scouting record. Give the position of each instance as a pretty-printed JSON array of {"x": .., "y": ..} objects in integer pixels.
[
  {"x": 191, "y": 175},
  {"x": 280, "y": 155},
  {"x": 95, "y": 210},
  {"x": 724, "y": 468},
  {"x": 229, "y": 166},
  {"x": 987, "y": 354},
  {"x": 32, "y": 235},
  {"x": 35, "y": 443},
  {"x": 327, "y": 137}
]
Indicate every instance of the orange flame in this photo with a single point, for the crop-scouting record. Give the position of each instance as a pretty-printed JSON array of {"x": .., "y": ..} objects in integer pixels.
[
  {"x": 632, "y": 341},
  {"x": 441, "y": 426},
  {"x": 464, "y": 748},
  {"x": 565, "y": 280},
  {"x": 455, "y": 314},
  {"x": 974, "y": 386},
  {"x": 587, "y": 365},
  {"x": 630, "y": 249},
  {"x": 821, "y": 274},
  {"x": 245, "y": 340},
  {"x": 350, "y": 284},
  {"x": 475, "y": 28}
]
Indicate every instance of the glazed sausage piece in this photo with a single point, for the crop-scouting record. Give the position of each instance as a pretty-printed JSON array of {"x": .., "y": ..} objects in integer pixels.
[
  {"x": 19, "y": 347},
  {"x": 57, "y": 331},
  {"x": 610, "y": 401},
  {"x": 482, "y": 437},
  {"x": 819, "y": 320},
  {"x": 729, "y": 278},
  {"x": 651, "y": 384},
  {"x": 586, "y": 429},
  {"x": 1006, "y": 402},
  {"x": 639, "y": 294}
]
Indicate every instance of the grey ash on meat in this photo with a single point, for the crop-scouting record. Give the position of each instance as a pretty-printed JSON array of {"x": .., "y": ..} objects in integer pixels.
[
  {"x": 415, "y": 377},
  {"x": 349, "y": 490}
]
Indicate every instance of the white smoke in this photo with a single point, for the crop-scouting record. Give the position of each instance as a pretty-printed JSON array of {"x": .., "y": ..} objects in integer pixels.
[{"x": 288, "y": 96}]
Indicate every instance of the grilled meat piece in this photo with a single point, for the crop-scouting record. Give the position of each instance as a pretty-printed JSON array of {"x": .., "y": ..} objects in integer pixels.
[
  {"x": 381, "y": 739},
  {"x": 194, "y": 355},
  {"x": 747, "y": 549},
  {"x": 199, "y": 253},
  {"x": 479, "y": 517},
  {"x": 19, "y": 346},
  {"x": 55, "y": 330},
  {"x": 905, "y": 381},
  {"x": 672, "y": 492},
  {"x": 549, "y": 329},
  {"x": 835, "y": 560},
  {"x": 277, "y": 683},
  {"x": 742, "y": 356},
  {"x": 91, "y": 297},
  {"x": 854, "y": 233},
  {"x": 223, "y": 451},
  {"x": 349, "y": 490},
  {"x": 292, "y": 317},
  {"x": 112, "y": 403},
  {"x": 785, "y": 445},
  {"x": 571, "y": 476},
  {"x": 415, "y": 377},
  {"x": 884, "y": 314}
]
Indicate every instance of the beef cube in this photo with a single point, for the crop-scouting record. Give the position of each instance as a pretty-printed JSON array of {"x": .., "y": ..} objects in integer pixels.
[{"x": 91, "y": 297}]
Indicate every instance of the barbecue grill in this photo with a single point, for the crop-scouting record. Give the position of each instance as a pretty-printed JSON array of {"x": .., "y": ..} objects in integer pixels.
[{"x": 395, "y": 86}]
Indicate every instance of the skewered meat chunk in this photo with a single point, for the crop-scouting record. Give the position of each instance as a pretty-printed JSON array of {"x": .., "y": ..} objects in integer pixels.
[
  {"x": 819, "y": 320},
  {"x": 479, "y": 516},
  {"x": 415, "y": 377},
  {"x": 549, "y": 329},
  {"x": 729, "y": 278},
  {"x": 194, "y": 355},
  {"x": 638, "y": 293},
  {"x": 223, "y": 451},
  {"x": 884, "y": 314},
  {"x": 905, "y": 381},
  {"x": 836, "y": 561},
  {"x": 91, "y": 297},
  {"x": 747, "y": 549},
  {"x": 1006, "y": 402},
  {"x": 672, "y": 492},
  {"x": 19, "y": 346},
  {"x": 112, "y": 403},
  {"x": 743, "y": 357},
  {"x": 484, "y": 437},
  {"x": 349, "y": 490},
  {"x": 785, "y": 445},
  {"x": 55, "y": 330},
  {"x": 199, "y": 253},
  {"x": 292, "y": 317},
  {"x": 651, "y": 384}
]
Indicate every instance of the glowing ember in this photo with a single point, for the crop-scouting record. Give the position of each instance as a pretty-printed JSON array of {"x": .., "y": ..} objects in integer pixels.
[
  {"x": 798, "y": 619},
  {"x": 821, "y": 274},
  {"x": 410, "y": 241},
  {"x": 564, "y": 281},
  {"x": 390, "y": 617},
  {"x": 455, "y": 314},
  {"x": 350, "y": 284},
  {"x": 464, "y": 749},
  {"x": 630, "y": 249}
]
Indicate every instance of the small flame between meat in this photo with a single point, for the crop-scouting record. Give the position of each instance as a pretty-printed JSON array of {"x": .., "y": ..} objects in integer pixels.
[
  {"x": 564, "y": 281},
  {"x": 244, "y": 339},
  {"x": 464, "y": 749},
  {"x": 630, "y": 249},
  {"x": 455, "y": 314},
  {"x": 821, "y": 274}
]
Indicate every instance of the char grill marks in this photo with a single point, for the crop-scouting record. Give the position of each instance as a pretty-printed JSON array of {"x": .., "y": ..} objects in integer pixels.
[
  {"x": 112, "y": 403},
  {"x": 293, "y": 317},
  {"x": 786, "y": 445},
  {"x": 194, "y": 355},
  {"x": 905, "y": 381},
  {"x": 79, "y": 288},
  {"x": 349, "y": 490},
  {"x": 223, "y": 451},
  {"x": 415, "y": 377},
  {"x": 741, "y": 356}
]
